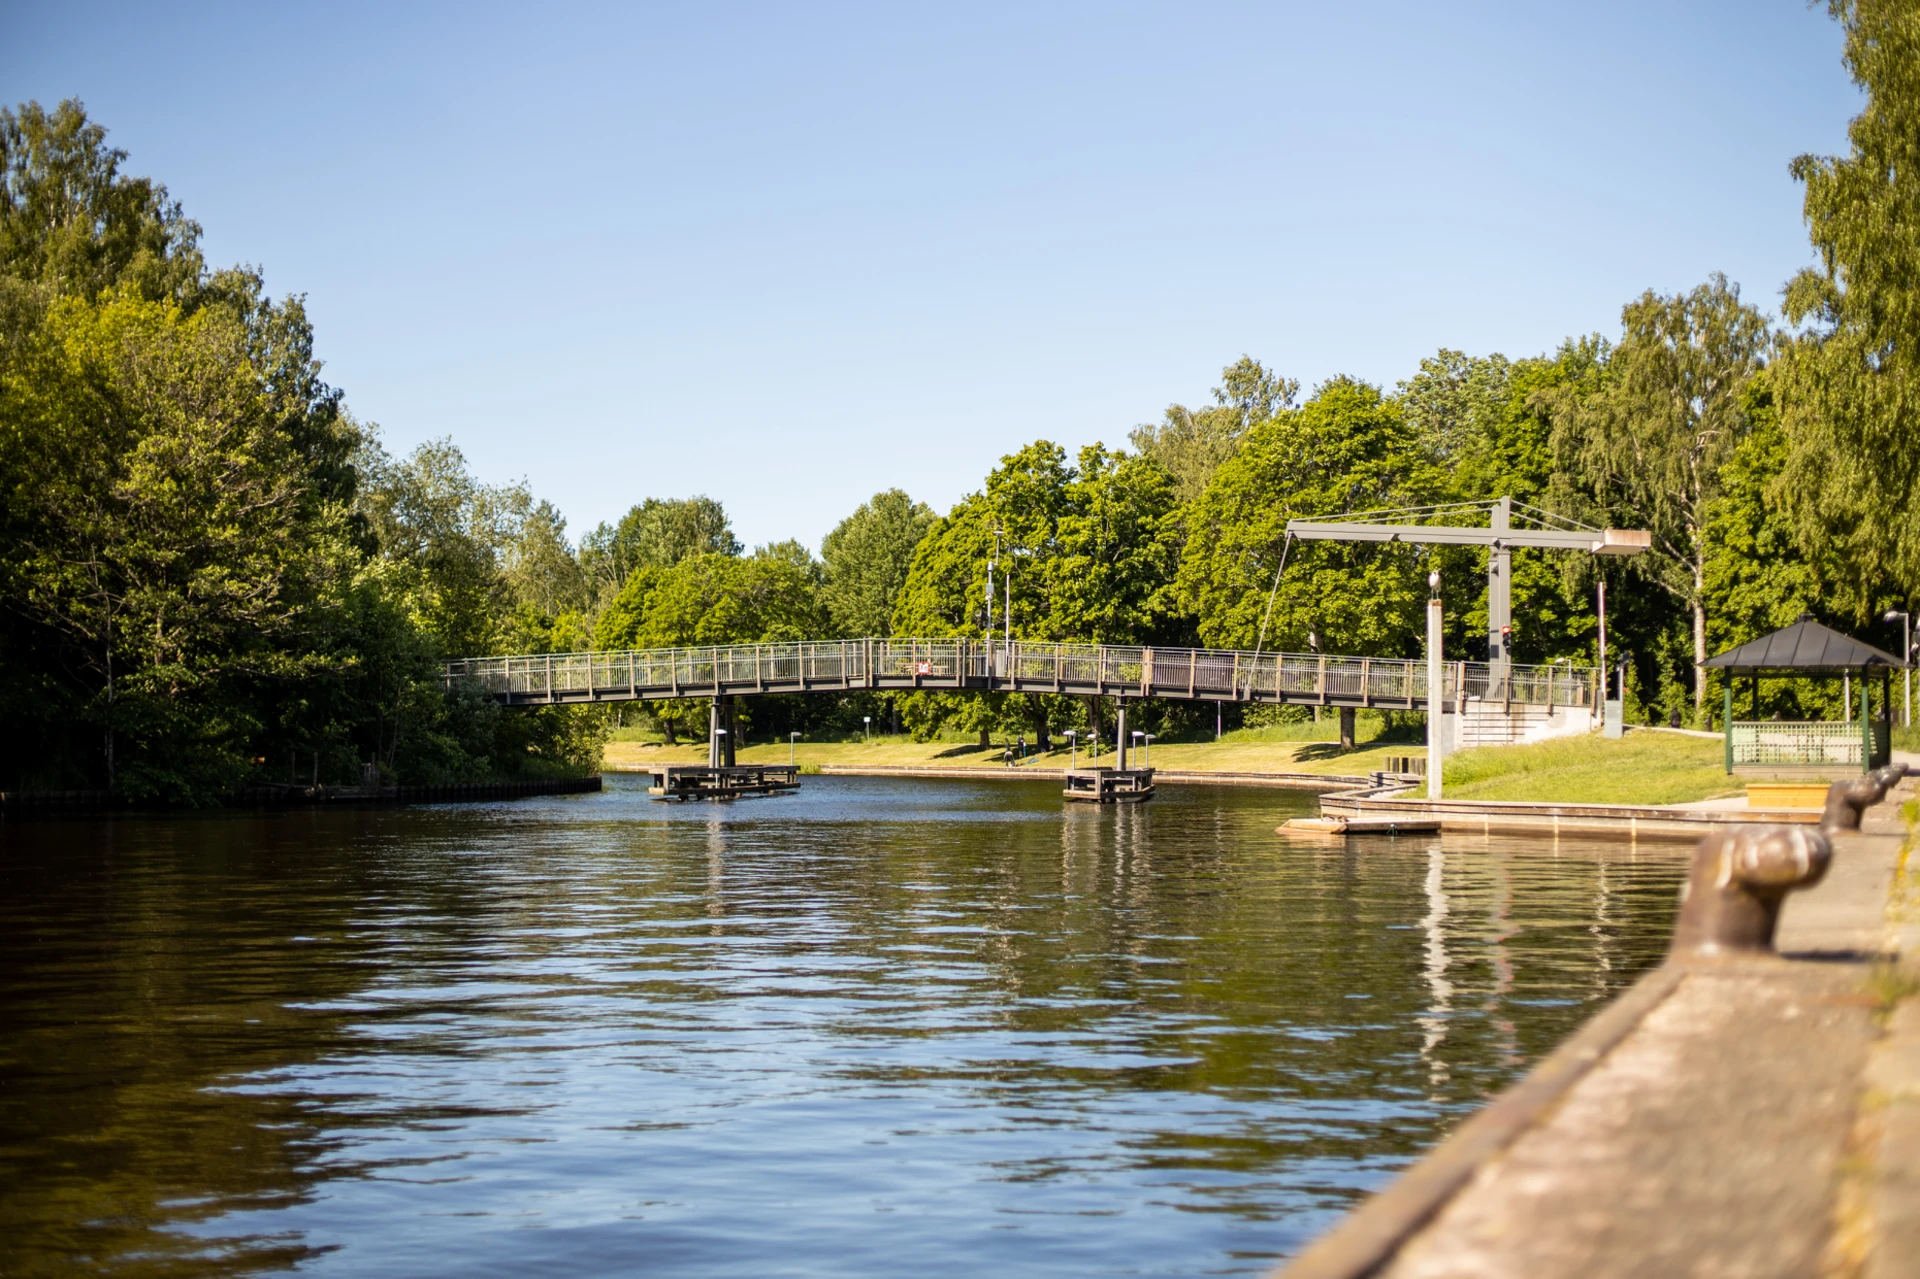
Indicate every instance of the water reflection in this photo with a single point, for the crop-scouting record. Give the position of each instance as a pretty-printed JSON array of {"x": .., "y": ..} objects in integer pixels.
[
  {"x": 876, "y": 1024},
  {"x": 1440, "y": 991}
]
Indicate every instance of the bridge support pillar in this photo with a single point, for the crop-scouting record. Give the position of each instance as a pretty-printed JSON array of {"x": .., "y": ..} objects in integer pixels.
[
  {"x": 1120, "y": 730},
  {"x": 723, "y": 726},
  {"x": 1500, "y": 602}
]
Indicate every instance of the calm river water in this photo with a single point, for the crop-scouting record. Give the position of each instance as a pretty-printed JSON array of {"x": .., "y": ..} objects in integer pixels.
[{"x": 880, "y": 1027}]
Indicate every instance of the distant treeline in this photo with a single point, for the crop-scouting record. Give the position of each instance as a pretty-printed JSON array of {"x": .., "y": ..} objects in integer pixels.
[{"x": 215, "y": 577}]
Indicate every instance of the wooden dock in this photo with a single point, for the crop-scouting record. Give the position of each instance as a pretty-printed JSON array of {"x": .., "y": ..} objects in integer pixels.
[
  {"x": 1109, "y": 785},
  {"x": 1360, "y": 826},
  {"x": 706, "y": 781}
]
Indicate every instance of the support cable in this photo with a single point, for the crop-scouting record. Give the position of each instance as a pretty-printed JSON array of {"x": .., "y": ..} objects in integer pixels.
[{"x": 1285, "y": 546}]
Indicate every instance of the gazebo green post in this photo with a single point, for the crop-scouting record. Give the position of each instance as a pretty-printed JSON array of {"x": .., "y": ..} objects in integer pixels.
[
  {"x": 1866, "y": 725},
  {"x": 1886, "y": 710},
  {"x": 1729, "y": 723}
]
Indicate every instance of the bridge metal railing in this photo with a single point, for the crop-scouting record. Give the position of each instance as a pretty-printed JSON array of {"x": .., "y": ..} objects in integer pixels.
[{"x": 894, "y": 664}]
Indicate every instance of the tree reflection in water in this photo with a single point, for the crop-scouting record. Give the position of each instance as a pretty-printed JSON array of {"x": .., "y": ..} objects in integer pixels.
[{"x": 952, "y": 1022}]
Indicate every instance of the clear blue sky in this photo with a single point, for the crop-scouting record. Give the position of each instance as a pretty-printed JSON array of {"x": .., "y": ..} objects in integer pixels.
[{"x": 788, "y": 255}]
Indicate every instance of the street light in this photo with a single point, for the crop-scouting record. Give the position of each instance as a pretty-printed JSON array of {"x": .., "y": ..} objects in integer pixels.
[
  {"x": 867, "y": 731},
  {"x": 791, "y": 739},
  {"x": 1436, "y": 687},
  {"x": 1073, "y": 748},
  {"x": 1146, "y": 748},
  {"x": 1906, "y": 654}
]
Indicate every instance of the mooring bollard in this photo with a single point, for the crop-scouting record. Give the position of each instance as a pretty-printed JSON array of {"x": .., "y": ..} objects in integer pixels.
[
  {"x": 1740, "y": 876},
  {"x": 1847, "y": 800}
]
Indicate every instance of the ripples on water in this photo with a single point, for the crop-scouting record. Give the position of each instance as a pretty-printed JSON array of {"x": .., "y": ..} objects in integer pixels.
[{"x": 875, "y": 1028}]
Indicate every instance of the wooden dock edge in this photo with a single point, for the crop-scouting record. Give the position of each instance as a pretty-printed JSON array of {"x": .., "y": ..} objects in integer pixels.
[
  {"x": 1631, "y": 822},
  {"x": 1368, "y": 1237}
]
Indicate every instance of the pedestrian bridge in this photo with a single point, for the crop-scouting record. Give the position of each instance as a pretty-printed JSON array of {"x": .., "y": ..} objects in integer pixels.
[{"x": 902, "y": 665}]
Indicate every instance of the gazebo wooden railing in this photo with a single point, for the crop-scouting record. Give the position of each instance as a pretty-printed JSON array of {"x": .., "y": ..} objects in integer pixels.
[{"x": 1809, "y": 649}]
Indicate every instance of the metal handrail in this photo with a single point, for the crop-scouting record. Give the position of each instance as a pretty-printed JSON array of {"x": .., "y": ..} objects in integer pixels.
[{"x": 1211, "y": 674}]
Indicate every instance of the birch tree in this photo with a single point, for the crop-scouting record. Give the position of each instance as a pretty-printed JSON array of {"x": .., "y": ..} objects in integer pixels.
[
  {"x": 1644, "y": 449},
  {"x": 1849, "y": 385}
]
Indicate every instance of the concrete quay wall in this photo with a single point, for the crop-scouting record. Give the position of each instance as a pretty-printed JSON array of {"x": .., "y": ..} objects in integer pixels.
[{"x": 1750, "y": 1116}]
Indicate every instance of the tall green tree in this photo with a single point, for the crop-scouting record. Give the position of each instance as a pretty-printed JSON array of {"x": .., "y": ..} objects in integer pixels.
[
  {"x": 867, "y": 556},
  {"x": 1087, "y": 550},
  {"x": 658, "y": 533},
  {"x": 1191, "y": 444},
  {"x": 1347, "y": 449},
  {"x": 199, "y": 590},
  {"x": 1645, "y": 448},
  {"x": 159, "y": 532},
  {"x": 1084, "y": 550},
  {"x": 1482, "y": 420},
  {"x": 1459, "y": 404},
  {"x": 451, "y": 533},
  {"x": 70, "y": 220},
  {"x": 1849, "y": 385},
  {"x": 712, "y": 599}
]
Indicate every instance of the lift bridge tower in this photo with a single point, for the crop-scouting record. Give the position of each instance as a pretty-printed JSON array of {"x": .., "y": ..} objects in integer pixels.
[{"x": 1542, "y": 530}]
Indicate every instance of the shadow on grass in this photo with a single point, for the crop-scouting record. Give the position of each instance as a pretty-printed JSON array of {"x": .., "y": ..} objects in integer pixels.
[{"x": 1319, "y": 750}]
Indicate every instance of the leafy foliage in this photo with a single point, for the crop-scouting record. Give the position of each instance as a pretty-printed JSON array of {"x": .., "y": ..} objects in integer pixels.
[
  {"x": 1191, "y": 444},
  {"x": 1849, "y": 386},
  {"x": 1645, "y": 447},
  {"x": 1085, "y": 553},
  {"x": 867, "y": 556},
  {"x": 658, "y": 533},
  {"x": 211, "y": 573},
  {"x": 1348, "y": 449}
]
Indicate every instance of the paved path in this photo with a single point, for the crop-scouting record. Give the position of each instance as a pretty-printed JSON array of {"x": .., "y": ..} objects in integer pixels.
[{"x": 1740, "y": 1118}]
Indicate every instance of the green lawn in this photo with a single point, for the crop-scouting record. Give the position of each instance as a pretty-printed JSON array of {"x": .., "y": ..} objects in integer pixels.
[
  {"x": 1640, "y": 768},
  {"x": 1290, "y": 748}
]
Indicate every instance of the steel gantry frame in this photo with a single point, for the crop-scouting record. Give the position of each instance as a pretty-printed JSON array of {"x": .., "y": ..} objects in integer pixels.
[{"x": 1500, "y": 538}]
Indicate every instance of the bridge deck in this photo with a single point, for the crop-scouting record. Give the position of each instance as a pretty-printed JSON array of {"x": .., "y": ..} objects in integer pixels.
[{"x": 1028, "y": 667}]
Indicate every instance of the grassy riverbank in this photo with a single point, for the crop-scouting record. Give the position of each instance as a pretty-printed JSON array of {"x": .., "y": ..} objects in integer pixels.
[
  {"x": 1287, "y": 748},
  {"x": 1644, "y": 767},
  {"x": 1640, "y": 768}
]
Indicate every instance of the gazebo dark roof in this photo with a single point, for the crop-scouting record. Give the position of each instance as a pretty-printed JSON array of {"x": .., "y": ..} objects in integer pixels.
[{"x": 1804, "y": 646}]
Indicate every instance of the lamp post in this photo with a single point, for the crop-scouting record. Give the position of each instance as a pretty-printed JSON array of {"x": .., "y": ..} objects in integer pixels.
[
  {"x": 866, "y": 729},
  {"x": 1603, "y": 635},
  {"x": 1436, "y": 694},
  {"x": 1073, "y": 748},
  {"x": 1146, "y": 749},
  {"x": 992, "y": 564},
  {"x": 1906, "y": 655},
  {"x": 791, "y": 739}
]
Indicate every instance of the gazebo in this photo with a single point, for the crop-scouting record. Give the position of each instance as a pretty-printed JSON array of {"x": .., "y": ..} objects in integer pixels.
[{"x": 1803, "y": 649}]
